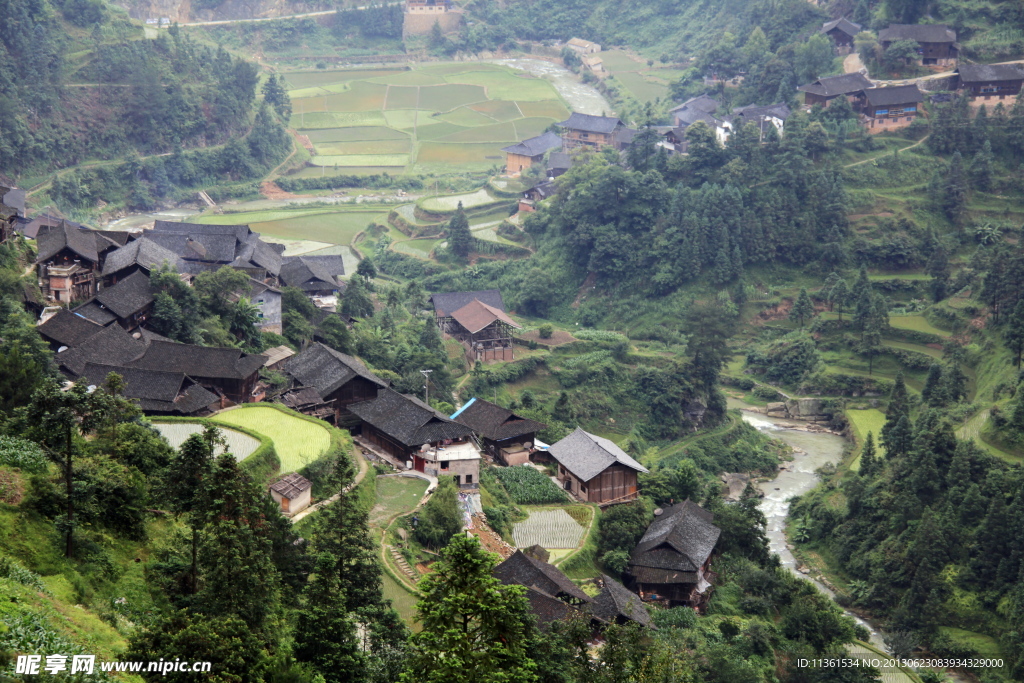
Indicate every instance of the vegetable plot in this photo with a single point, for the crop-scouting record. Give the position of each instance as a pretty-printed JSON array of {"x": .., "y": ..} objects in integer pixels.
[{"x": 527, "y": 486}]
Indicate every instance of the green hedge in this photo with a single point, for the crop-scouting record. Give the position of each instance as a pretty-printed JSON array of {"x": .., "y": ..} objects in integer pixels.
[{"x": 368, "y": 181}]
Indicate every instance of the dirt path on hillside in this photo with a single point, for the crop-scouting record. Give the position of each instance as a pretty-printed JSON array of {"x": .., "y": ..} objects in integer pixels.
[{"x": 903, "y": 149}]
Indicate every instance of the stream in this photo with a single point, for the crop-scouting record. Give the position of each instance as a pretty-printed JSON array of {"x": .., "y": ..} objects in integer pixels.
[{"x": 811, "y": 451}]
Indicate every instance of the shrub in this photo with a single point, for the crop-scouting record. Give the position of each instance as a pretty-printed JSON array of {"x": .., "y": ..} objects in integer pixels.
[
  {"x": 527, "y": 486},
  {"x": 545, "y": 331},
  {"x": 676, "y": 617},
  {"x": 22, "y": 454}
]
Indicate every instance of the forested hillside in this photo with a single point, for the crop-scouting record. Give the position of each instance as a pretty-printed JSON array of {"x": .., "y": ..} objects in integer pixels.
[{"x": 79, "y": 82}]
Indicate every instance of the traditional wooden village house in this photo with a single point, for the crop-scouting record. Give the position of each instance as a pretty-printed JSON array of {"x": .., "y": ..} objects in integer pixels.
[
  {"x": 594, "y": 64},
  {"x": 141, "y": 255},
  {"x": 586, "y": 130},
  {"x": 842, "y": 32},
  {"x": 314, "y": 275},
  {"x": 201, "y": 248},
  {"x": 12, "y": 210},
  {"x": 445, "y": 303},
  {"x": 762, "y": 117},
  {"x": 277, "y": 357},
  {"x": 583, "y": 47},
  {"x": 30, "y": 228},
  {"x": 157, "y": 392},
  {"x": 691, "y": 110},
  {"x": 127, "y": 303},
  {"x": 230, "y": 373},
  {"x": 554, "y": 597},
  {"x": 671, "y": 562},
  {"x": 890, "y": 108},
  {"x": 824, "y": 90},
  {"x": 522, "y": 155},
  {"x": 336, "y": 381},
  {"x": 594, "y": 469},
  {"x": 268, "y": 303},
  {"x": 505, "y": 436},
  {"x": 539, "y": 192},
  {"x": 937, "y": 44},
  {"x": 65, "y": 329},
  {"x": 990, "y": 83},
  {"x": 70, "y": 258},
  {"x": 111, "y": 345},
  {"x": 484, "y": 331},
  {"x": 293, "y": 492},
  {"x": 413, "y": 433},
  {"x": 558, "y": 164}
]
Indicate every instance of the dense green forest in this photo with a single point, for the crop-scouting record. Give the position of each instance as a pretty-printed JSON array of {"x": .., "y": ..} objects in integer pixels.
[{"x": 80, "y": 83}]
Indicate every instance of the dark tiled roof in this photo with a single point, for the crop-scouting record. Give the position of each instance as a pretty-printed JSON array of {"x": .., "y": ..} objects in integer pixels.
[
  {"x": 559, "y": 160},
  {"x": 590, "y": 123},
  {"x": 843, "y": 24},
  {"x": 922, "y": 33},
  {"x": 303, "y": 396},
  {"x": 494, "y": 422},
  {"x": 96, "y": 313},
  {"x": 162, "y": 392},
  {"x": 833, "y": 86},
  {"x": 477, "y": 315},
  {"x": 68, "y": 329},
  {"x": 326, "y": 370},
  {"x": 407, "y": 420},
  {"x": 81, "y": 241},
  {"x": 688, "y": 117},
  {"x": 753, "y": 112},
  {"x": 982, "y": 73},
  {"x": 679, "y": 540},
  {"x": 142, "y": 252},
  {"x": 535, "y": 146},
  {"x": 199, "y": 361},
  {"x": 234, "y": 245},
  {"x": 312, "y": 273},
  {"x": 14, "y": 198},
  {"x": 128, "y": 296},
  {"x": 240, "y": 232},
  {"x": 111, "y": 346},
  {"x": 616, "y": 602},
  {"x": 703, "y": 103},
  {"x": 548, "y": 188},
  {"x": 445, "y": 303},
  {"x": 526, "y": 571},
  {"x": 547, "y": 609},
  {"x": 624, "y": 136},
  {"x": 897, "y": 94},
  {"x": 291, "y": 485},
  {"x": 587, "y": 455},
  {"x": 42, "y": 224}
]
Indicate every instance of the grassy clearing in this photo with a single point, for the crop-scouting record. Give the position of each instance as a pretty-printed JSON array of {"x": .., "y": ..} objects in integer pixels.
[
  {"x": 917, "y": 323},
  {"x": 395, "y": 495},
  {"x": 297, "y": 442},
  {"x": 333, "y": 228},
  {"x": 986, "y": 646},
  {"x": 910, "y": 346},
  {"x": 865, "y": 421},
  {"x": 354, "y": 160},
  {"x": 641, "y": 88}
]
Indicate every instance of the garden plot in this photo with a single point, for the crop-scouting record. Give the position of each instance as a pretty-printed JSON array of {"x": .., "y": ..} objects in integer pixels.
[
  {"x": 549, "y": 529},
  {"x": 238, "y": 444}
]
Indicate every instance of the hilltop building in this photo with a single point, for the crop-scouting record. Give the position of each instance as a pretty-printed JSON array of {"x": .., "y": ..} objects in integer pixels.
[
  {"x": 586, "y": 130},
  {"x": 826, "y": 89},
  {"x": 70, "y": 259},
  {"x": 937, "y": 44},
  {"x": 842, "y": 32},
  {"x": 325, "y": 383},
  {"x": 421, "y": 15},
  {"x": 478, "y": 321},
  {"x": 890, "y": 108}
]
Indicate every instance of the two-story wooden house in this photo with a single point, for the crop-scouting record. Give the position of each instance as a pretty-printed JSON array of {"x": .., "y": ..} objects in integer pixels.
[
  {"x": 505, "y": 436},
  {"x": 522, "y": 155},
  {"x": 890, "y": 108},
  {"x": 990, "y": 83},
  {"x": 70, "y": 258},
  {"x": 325, "y": 378},
  {"x": 842, "y": 32},
  {"x": 594, "y": 469},
  {"x": 128, "y": 303},
  {"x": 828, "y": 88},
  {"x": 937, "y": 44},
  {"x": 586, "y": 130}
]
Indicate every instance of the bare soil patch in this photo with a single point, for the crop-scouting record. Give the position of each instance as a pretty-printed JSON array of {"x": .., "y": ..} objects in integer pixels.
[
  {"x": 558, "y": 337},
  {"x": 270, "y": 190}
]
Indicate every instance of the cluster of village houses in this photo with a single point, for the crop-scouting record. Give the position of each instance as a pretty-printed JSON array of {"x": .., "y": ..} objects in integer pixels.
[
  {"x": 106, "y": 275},
  {"x": 879, "y": 107}
]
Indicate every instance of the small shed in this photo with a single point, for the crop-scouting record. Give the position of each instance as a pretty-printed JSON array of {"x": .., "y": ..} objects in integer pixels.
[{"x": 292, "y": 492}]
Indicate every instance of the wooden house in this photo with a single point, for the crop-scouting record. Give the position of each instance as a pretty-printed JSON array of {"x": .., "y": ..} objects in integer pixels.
[
  {"x": 824, "y": 90},
  {"x": 586, "y": 130},
  {"x": 594, "y": 63},
  {"x": 141, "y": 255},
  {"x": 523, "y": 155},
  {"x": 128, "y": 303},
  {"x": 700, "y": 108},
  {"x": 336, "y": 379},
  {"x": 985, "y": 83},
  {"x": 413, "y": 433},
  {"x": 200, "y": 248},
  {"x": 554, "y": 597},
  {"x": 157, "y": 392},
  {"x": 761, "y": 117},
  {"x": 842, "y": 32},
  {"x": 65, "y": 329},
  {"x": 558, "y": 164},
  {"x": 671, "y": 564},
  {"x": 230, "y": 373},
  {"x": 70, "y": 258},
  {"x": 12, "y": 210},
  {"x": 484, "y": 331},
  {"x": 314, "y": 275},
  {"x": 277, "y": 357},
  {"x": 583, "y": 47},
  {"x": 111, "y": 345},
  {"x": 505, "y": 436},
  {"x": 890, "y": 108},
  {"x": 937, "y": 44},
  {"x": 594, "y": 469},
  {"x": 292, "y": 492}
]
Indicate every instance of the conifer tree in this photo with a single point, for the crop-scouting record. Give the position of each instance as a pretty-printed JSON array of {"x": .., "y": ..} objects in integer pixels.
[
  {"x": 981, "y": 167},
  {"x": 460, "y": 239},
  {"x": 840, "y": 295},
  {"x": 475, "y": 629},
  {"x": 867, "y": 457},
  {"x": 802, "y": 309},
  {"x": 938, "y": 268},
  {"x": 356, "y": 300},
  {"x": 932, "y": 393},
  {"x": 899, "y": 440},
  {"x": 1014, "y": 333},
  {"x": 184, "y": 483},
  {"x": 326, "y": 636},
  {"x": 954, "y": 190},
  {"x": 870, "y": 343}
]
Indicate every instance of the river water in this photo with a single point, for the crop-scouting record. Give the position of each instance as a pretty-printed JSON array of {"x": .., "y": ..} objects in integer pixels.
[
  {"x": 812, "y": 450},
  {"x": 581, "y": 97}
]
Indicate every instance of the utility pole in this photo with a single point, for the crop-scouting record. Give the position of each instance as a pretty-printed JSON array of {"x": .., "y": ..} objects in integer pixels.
[{"x": 426, "y": 385}]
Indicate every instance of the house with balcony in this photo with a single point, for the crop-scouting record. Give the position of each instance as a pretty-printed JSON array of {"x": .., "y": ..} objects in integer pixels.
[{"x": 890, "y": 108}]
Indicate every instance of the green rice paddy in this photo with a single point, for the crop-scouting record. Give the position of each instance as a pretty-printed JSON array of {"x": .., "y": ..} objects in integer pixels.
[
  {"x": 321, "y": 225},
  {"x": 297, "y": 442},
  {"x": 917, "y": 323},
  {"x": 427, "y": 118},
  {"x": 865, "y": 421}
]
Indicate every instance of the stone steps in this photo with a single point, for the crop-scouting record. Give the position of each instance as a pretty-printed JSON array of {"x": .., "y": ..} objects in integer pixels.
[{"x": 402, "y": 564}]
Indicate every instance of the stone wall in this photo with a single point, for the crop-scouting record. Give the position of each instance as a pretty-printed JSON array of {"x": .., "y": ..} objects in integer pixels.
[{"x": 810, "y": 409}]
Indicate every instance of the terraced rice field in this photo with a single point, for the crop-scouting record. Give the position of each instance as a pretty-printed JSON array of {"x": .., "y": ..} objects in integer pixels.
[
  {"x": 451, "y": 202},
  {"x": 338, "y": 227},
  {"x": 917, "y": 323},
  {"x": 430, "y": 116},
  {"x": 548, "y": 528},
  {"x": 417, "y": 248},
  {"x": 238, "y": 444},
  {"x": 865, "y": 421},
  {"x": 297, "y": 442}
]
